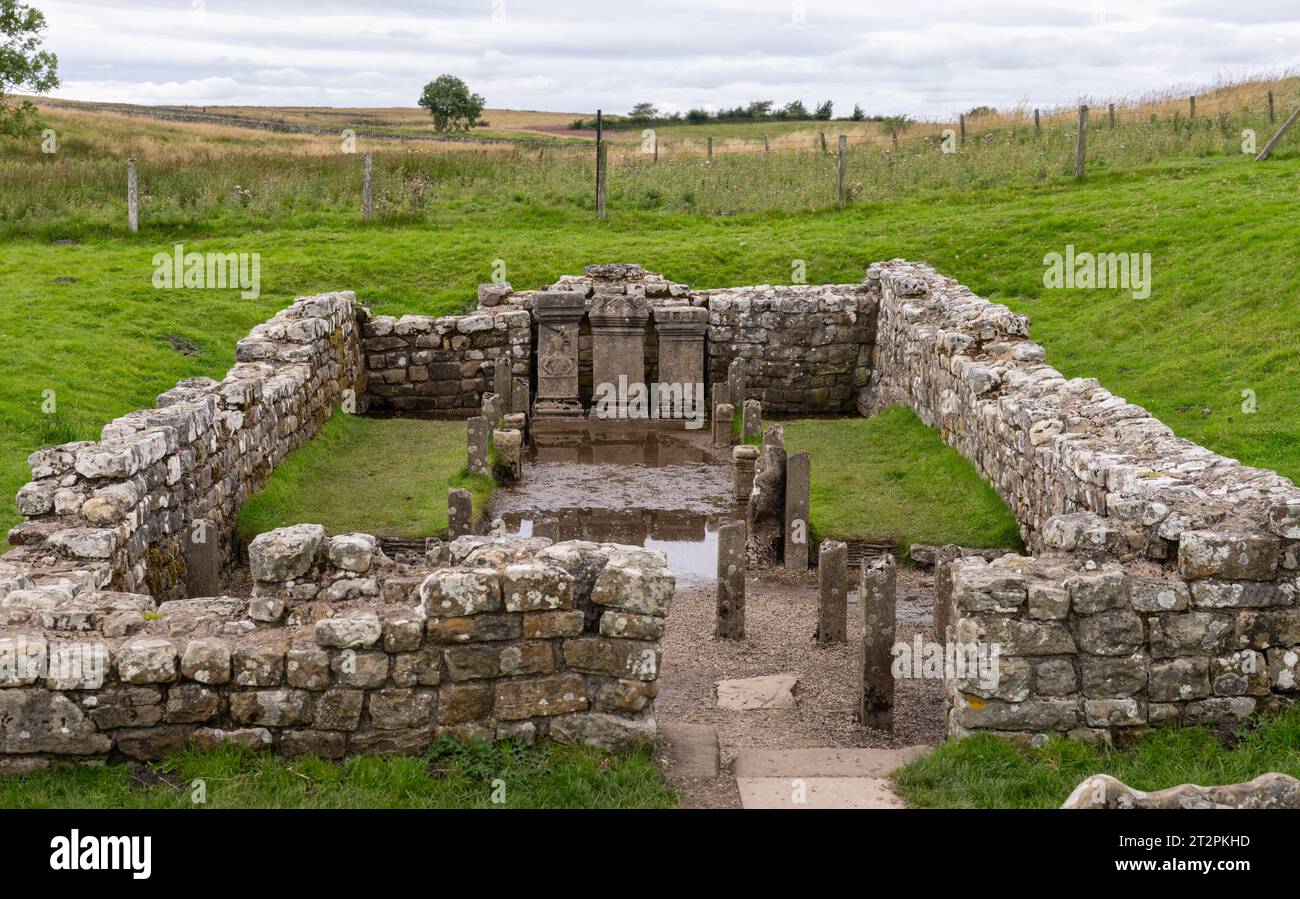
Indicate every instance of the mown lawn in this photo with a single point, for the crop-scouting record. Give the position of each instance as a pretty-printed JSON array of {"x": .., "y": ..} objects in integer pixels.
[
  {"x": 452, "y": 775},
  {"x": 1221, "y": 317},
  {"x": 387, "y": 477},
  {"x": 891, "y": 477},
  {"x": 988, "y": 772}
]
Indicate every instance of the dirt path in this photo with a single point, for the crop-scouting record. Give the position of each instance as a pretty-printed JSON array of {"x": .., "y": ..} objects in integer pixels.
[{"x": 780, "y": 617}]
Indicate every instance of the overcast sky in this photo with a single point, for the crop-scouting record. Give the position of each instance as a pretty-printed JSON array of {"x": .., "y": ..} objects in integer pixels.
[{"x": 922, "y": 57}]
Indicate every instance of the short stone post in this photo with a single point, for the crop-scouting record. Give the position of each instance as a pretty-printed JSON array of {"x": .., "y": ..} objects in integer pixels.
[
  {"x": 943, "y": 557},
  {"x": 460, "y": 513},
  {"x": 480, "y": 433},
  {"x": 502, "y": 382},
  {"x": 492, "y": 408},
  {"x": 879, "y": 601},
  {"x": 833, "y": 582},
  {"x": 731, "y": 581},
  {"x": 737, "y": 382},
  {"x": 752, "y": 420},
  {"x": 510, "y": 456},
  {"x": 798, "y": 478},
  {"x": 722, "y": 416},
  {"x": 202, "y": 559},
  {"x": 743, "y": 458}
]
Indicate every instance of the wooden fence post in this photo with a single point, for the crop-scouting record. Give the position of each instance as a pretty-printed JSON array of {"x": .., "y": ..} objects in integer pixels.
[
  {"x": 132, "y": 197},
  {"x": 710, "y": 147},
  {"x": 1191, "y": 101},
  {"x": 1038, "y": 128},
  {"x": 765, "y": 141},
  {"x": 1112, "y": 117},
  {"x": 839, "y": 171},
  {"x": 822, "y": 135},
  {"x": 1286, "y": 126},
  {"x": 1080, "y": 149},
  {"x": 602, "y": 168},
  {"x": 1272, "y": 116},
  {"x": 367, "y": 186},
  {"x": 961, "y": 119}
]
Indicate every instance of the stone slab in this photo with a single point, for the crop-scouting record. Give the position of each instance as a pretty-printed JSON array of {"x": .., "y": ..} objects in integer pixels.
[
  {"x": 692, "y": 750},
  {"x": 770, "y": 691},
  {"x": 817, "y": 793},
  {"x": 834, "y": 762}
]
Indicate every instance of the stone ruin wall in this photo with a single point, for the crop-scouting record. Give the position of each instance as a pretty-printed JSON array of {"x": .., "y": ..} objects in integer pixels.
[
  {"x": 1165, "y": 578},
  {"x": 1163, "y": 586},
  {"x": 119, "y": 513},
  {"x": 444, "y": 364},
  {"x": 342, "y": 650}
]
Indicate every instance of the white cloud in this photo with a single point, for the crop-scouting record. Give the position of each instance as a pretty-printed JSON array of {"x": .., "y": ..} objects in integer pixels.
[{"x": 925, "y": 58}]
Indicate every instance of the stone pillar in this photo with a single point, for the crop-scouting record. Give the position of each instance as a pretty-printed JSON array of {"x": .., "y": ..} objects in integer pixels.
[
  {"x": 492, "y": 408},
  {"x": 460, "y": 513},
  {"x": 737, "y": 382},
  {"x": 202, "y": 559},
  {"x": 618, "y": 323},
  {"x": 798, "y": 478},
  {"x": 766, "y": 511},
  {"x": 502, "y": 383},
  {"x": 510, "y": 456},
  {"x": 833, "y": 581},
  {"x": 722, "y": 416},
  {"x": 680, "y": 330},
  {"x": 751, "y": 420},
  {"x": 559, "y": 313},
  {"x": 943, "y": 557},
  {"x": 480, "y": 433},
  {"x": 879, "y": 600},
  {"x": 731, "y": 581},
  {"x": 742, "y": 459}
]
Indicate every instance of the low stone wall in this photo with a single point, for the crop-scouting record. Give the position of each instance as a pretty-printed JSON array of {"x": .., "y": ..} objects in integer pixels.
[
  {"x": 807, "y": 348},
  {"x": 118, "y": 514},
  {"x": 1101, "y": 651},
  {"x": 1166, "y": 579},
  {"x": 342, "y": 650},
  {"x": 445, "y": 364}
]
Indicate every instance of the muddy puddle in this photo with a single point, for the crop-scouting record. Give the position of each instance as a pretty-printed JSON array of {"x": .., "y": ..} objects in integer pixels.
[{"x": 663, "y": 489}]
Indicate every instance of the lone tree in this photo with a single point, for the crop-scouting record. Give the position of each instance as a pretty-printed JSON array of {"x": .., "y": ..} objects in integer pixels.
[
  {"x": 22, "y": 65},
  {"x": 451, "y": 104}
]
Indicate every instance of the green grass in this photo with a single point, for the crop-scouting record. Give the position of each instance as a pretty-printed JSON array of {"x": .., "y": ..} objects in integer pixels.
[
  {"x": 378, "y": 476},
  {"x": 985, "y": 771},
  {"x": 452, "y": 775},
  {"x": 891, "y": 477},
  {"x": 1221, "y": 317}
]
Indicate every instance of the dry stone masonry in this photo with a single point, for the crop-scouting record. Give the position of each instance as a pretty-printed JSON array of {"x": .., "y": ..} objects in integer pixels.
[
  {"x": 1162, "y": 585},
  {"x": 342, "y": 650}
]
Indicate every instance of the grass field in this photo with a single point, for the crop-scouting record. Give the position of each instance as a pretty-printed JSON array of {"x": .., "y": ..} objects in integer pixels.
[
  {"x": 871, "y": 477},
  {"x": 985, "y": 771},
  {"x": 387, "y": 477},
  {"x": 1220, "y": 320},
  {"x": 453, "y": 775}
]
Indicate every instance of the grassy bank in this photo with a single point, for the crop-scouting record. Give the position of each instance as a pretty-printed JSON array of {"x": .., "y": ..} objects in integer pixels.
[
  {"x": 987, "y": 772},
  {"x": 387, "y": 477},
  {"x": 452, "y": 775},
  {"x": 1187, "y": 352},
  {"x": 891, "y": 477}
]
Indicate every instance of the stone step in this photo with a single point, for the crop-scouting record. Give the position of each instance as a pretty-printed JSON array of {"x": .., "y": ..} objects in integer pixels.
[
  {"x": 820, "y": 778},
  {"x": 692, "y": 751}
]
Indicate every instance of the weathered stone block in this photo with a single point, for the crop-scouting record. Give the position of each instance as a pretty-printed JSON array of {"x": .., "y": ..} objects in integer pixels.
[
  {"x": 1113, "y": 678},
  {"x": 206, "y": 661},
  {"x": 397, "y": 709},
  {"x": 192, "y": 704},
  {"x": 1096, "y": 592},
  {"x": 1115, "y": 633},
  {"x": 285, "y": 553},
  {"x": 1179, "y": 680},
  {"x": 459, "y": 703},
  {"x": 147, "y": 662},
  {"x": 1016, "y": 637},
  {"x": 259, "y": 666},
  {"x": 360, "y": 669},
  {"x": 349, "y": 630},
  {"x": 1047, "y": 601},
  {"x": 475, "y": 628},
  {"x": 271, "y": 708},
  {"x": 631, "y": 626},
  {"x": 471, "y": 662},
  {"x": 339, "y": 709},
  {"x": 307, "y": 668},
  {"x": 1128, "y": 712},
  {"x": 1213, "y": 594},
  {"x": 1159, "y": 596},
  {"x": 547, "y": 696},
  {"x": 452, "y": 592},
  {"x": 1189, "y": 633},
  {"x": 1230, "y": 555},
  {"x": 543, "y": 625},
  {"x": 614, "y": 657}
]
